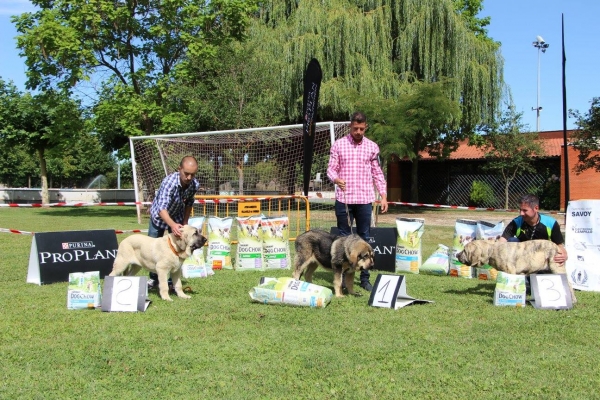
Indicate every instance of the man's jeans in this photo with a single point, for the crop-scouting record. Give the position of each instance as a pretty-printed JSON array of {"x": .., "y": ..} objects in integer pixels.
[
  {"x": 156, "y": 232},
  {"x": 362, "y": 214}
]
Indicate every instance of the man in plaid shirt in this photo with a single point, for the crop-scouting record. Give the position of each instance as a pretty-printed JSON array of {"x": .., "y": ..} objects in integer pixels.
[
  {"x": 172, "y": 206},
  {"x": 354, "y": 168}
]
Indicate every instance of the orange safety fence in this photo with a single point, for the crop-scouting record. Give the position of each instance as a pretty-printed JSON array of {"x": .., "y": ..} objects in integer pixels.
[{"x": 295, "y": 208}]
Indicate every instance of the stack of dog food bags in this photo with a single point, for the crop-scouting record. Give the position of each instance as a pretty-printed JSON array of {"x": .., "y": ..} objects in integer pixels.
[
  {"x": 491, "y": 232},
  {"x": 249, "y": 255},
  {"x": 465, "y": 231},
  {"x": 276, "y": 245},
  {"x": 195, "y": 266},
  {"x": 84, "y": 290},
  {"x": 219, "y": 242},
  {"x": 408, "y": 244},
  {"x": 438, "y": 263},
  {"x": 510, "y": 290}
]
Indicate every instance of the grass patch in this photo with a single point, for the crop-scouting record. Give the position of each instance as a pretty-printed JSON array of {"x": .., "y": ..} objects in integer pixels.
[{"x": 221, "y": 345}]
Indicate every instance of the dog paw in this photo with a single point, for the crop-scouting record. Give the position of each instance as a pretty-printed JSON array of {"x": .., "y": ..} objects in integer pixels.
[
  {"x": 183, "y": 296},
  {"x": 166, "y": 298}
]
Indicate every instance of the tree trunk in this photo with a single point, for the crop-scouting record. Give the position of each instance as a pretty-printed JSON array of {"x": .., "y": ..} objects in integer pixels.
[
  {"x": 506, "y": 185},
  {"x": 44, "y": 177},
  {"x": 414, "y": 181},
  {"x": 239, "y": 167}
]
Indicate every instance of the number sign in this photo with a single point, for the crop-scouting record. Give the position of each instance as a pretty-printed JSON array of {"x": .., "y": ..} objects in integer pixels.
[
  {"x": 550, "y": 291},
  {"x": 389, "y": 291},
  {"x": 125, "y": 293}
]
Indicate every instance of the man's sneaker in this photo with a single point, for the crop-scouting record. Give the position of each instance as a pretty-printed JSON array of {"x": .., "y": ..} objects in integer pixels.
[{"x": 367, "y": 286}]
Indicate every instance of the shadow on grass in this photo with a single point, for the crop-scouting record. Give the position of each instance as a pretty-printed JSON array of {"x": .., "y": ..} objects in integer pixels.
[
  {"x": 89, "y": 212},
  {"x": 482, "y": 289}
]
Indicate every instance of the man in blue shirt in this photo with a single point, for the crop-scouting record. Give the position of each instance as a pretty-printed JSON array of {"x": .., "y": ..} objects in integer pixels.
[{"x": 172, "y": 206}]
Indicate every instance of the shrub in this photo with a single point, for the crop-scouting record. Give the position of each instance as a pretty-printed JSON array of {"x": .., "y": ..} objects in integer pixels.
[{"x": 482, "y": 194}]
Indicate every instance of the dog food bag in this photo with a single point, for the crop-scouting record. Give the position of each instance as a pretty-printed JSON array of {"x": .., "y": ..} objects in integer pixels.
[
  {"x": 438, "y": 262},
  {"x": 491, "y": 231},
  {"x": 249, "y": 255},
  {"x": 465, "y": 231},
  {"x": 510, "y": 290},
  {"x": 219, "y": 243},
  {"x": 408, "y": 244},
  {"x": 84, "y": 290},
  {"x": 195, "y": 266},
  {"x": 276, "y": 245},
  {"x": 290, "y": 291}
]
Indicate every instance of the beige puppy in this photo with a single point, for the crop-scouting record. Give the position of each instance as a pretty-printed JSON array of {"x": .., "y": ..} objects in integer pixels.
[
  {"x": 163, "y": 255},
  {"x": 342, "y": 254},
  {"x": 520, "y": 258}
]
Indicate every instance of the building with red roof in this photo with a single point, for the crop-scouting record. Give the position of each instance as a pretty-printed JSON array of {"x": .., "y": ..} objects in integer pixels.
[{"x": 449, "y": 181}]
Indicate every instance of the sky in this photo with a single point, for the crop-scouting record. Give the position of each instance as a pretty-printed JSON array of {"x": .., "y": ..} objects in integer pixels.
[{"x": 514, "y": 23}]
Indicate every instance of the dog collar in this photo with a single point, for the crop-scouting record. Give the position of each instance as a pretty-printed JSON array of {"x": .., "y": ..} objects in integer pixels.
[{"x": 172, "y": 247}]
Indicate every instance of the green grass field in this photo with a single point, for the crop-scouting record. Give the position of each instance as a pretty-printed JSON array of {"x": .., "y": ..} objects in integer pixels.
[{"x": 220, "y": 345}]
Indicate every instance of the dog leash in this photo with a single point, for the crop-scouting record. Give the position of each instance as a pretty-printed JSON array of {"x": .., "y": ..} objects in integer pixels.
[{"x": 347, "y": 212}]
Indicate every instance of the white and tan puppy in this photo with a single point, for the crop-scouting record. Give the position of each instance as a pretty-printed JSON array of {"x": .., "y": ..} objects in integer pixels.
[
  {"x": 163, "y": 255},
  {"x": 520, "y": 258}
]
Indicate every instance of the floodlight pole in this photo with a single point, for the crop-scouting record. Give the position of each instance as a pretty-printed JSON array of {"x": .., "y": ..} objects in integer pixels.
[{"x": 541, "y": 45}]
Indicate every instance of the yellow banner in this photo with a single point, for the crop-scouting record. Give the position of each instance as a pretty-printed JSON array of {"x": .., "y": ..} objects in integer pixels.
[{"x": 248, "y": 208}]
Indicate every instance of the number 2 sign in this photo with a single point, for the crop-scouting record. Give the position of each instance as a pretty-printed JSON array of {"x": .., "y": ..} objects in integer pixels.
[
  {"x": 125, "y": 293},
  {"x": 550, "y": 291}
]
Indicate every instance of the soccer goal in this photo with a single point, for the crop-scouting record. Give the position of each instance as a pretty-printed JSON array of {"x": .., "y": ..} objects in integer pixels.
[{"x": 243, "y": 163}]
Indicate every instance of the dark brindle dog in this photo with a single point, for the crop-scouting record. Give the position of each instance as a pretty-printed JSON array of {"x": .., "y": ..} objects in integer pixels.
[{"x": 342, "y": 254}]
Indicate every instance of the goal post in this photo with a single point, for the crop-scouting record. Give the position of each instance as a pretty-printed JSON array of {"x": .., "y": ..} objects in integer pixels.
[{"x": 253, "y": 162}]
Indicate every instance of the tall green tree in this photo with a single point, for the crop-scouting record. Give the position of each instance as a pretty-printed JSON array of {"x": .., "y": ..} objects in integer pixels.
[
  {"x": 469, "y": 11},
  {"x": 375, "y": 48},
  {"x": 586, "y": 139},
  {"x": 508, "y": 151},
  {"x": 40, "y": 123},
  {"x": 424, "y": 119},
  {"x": 132, "y": 48}
]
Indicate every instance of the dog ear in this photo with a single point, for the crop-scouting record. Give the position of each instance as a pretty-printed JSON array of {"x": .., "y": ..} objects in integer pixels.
[{"x": 354, "y": 255}]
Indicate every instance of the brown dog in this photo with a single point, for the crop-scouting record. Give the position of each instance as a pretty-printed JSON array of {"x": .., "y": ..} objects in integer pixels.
[
  {"x": 342, "y": 254},
  {"x": 520, "y": 258},
  {"x": 163, "y": 255}
]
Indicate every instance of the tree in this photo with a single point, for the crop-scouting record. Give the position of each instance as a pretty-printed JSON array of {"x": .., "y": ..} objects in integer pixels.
[
  {"x": 425, "y": 119},
  {"x": 586, "y": 139},
  {"x": 39, "y": 123},
  {"x": 134, "y": 49},
  {"x": 373, "y": 49},
  {"x": 469, "y": 10},
  {"x": 508, "y": 150},
  {"x": 17, "y": 166}
]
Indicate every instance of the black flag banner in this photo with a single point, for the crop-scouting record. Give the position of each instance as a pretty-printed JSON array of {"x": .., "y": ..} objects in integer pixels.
[{"x": 312, "y": 83}]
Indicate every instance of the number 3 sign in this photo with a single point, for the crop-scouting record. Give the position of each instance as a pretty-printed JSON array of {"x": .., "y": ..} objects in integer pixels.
[{"x": 550, "y": 291}]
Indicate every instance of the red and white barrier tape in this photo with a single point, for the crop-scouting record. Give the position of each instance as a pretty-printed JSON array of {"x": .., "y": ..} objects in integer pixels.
[
  {"x": 133, "y": 203},
  {"x": 117, "y": 231},
  {"x": 400, "y": 203},
  {"x": 35, "y": 205},
  {"x": 232, "y": 200}
]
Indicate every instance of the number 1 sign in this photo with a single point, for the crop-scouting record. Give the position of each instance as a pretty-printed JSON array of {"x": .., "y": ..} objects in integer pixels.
[
  {"x": 389, "y": 291},
  {"x": 550, "y": 291}
]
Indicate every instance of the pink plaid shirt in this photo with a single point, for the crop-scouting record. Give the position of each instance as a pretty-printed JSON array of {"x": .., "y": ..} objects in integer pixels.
[{"x": 356, "y": 164}]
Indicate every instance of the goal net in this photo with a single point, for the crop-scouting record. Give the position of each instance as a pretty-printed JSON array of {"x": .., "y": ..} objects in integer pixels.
[{"x": 242, "y": 165}]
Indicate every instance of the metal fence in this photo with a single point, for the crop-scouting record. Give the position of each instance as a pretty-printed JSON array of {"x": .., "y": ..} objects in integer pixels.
[{"x": 457, "y": 189}]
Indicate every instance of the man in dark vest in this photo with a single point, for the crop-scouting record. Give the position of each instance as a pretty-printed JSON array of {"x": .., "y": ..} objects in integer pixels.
[{"x": 532, "y": 225}]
